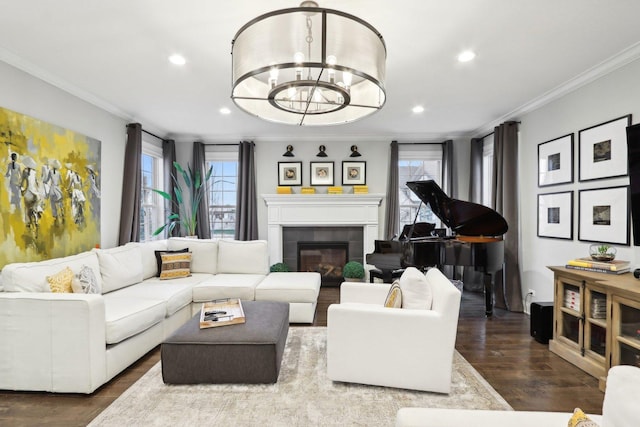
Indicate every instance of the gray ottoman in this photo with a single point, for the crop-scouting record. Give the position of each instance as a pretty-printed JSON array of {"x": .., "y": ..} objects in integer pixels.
[{"x": 248, "y": 353}]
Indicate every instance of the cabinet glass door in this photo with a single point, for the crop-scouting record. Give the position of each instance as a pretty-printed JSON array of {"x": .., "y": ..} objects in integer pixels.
[
  {"x": 595, "y": 309},
  {"x": 570, "y": 321},
  {"x": 626, "y": 332}
]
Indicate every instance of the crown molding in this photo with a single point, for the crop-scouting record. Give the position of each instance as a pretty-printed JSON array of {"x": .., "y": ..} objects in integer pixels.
[{"x": 624, "y": 57}]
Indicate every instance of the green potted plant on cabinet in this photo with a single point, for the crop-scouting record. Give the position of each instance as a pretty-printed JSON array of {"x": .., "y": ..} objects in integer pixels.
[
  {"x": 189, "y": 194},
  {"x": 353, "y": 271}
]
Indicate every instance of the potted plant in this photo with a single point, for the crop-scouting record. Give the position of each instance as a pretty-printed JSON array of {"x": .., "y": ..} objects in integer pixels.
[
  {"x": 189, "y": 194},
  {"x": 602, "y": 252},
  {"x": 279, "y": 267},
  {"x": 353, "y": 271}
]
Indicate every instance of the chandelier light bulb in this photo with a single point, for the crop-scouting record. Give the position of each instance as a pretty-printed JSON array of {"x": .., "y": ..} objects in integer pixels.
[
  {"x": 332, "y": 60},
  {"x": 347, "y": 77},
  {"x": 298, "y": 57}
]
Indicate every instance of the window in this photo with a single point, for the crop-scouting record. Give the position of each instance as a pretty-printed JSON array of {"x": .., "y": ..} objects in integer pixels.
[
  {"x": 152, "y": 204},
  {"x": 423, "y": 162},
  {"x": 222, "y": 193},
  {"x": 487, "y": 170}
]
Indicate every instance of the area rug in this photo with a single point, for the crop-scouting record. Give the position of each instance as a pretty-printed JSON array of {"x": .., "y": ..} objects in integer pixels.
[{"x": 303, "y": 396}]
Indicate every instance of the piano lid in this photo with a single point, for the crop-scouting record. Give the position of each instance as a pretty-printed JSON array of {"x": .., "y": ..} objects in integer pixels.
[{"x": 464, "y": 218}]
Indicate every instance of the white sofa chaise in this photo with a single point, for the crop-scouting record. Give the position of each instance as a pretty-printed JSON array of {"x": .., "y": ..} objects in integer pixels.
[
  {"x": 75, "y": 342},
  {"x": 618, "y": 410}
]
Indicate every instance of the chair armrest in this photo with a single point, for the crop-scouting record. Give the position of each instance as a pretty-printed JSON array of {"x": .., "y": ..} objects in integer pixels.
[
  {"x": 367, "y": 293},
  {"x": 52, "y": 342}
]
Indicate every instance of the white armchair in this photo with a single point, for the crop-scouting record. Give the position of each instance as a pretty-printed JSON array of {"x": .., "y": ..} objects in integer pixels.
[{"x": 368, "y": 343}]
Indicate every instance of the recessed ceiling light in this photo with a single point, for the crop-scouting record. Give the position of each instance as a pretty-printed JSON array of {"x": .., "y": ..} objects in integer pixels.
[
  {"x": 418, "y": 109},
  {"x": 225, "y": 110},
  {"x": 466, "y": 56},
  {"x": 177, "y": 59}
]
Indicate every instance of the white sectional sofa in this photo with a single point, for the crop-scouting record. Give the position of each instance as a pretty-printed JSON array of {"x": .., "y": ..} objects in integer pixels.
[{"x": 75, "y": 342}]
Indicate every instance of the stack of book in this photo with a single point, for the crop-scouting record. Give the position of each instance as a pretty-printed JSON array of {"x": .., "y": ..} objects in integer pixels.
[
  {"x": 284, "y": 190},
  {"x": 599, "y": 307},
  {"x": 572, "y": 299},
  {"x": 611, "y": 267},
  {"x": 360, "y": 189},
  {"x": 307, "y": 190},
  {"x": 334, "y": 190}
]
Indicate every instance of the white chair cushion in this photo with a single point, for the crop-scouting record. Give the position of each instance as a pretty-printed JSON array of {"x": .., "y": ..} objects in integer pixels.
[
  {"x": 126, "y": 317},
  {"x": 148, "y": 253},
  {"x": 120, "y": 267},
  {"x": 204, "y": 253},
  {"x": 416, "y": 292},
  {"x": 289, "y": 287},
  {"x": 250, "y": 257},
  {"x": 174, "y": 293},
  {"x": 32, "y": 276},
  {"x": 227, "y": 286},
  {"x": 620, "y": 406}
]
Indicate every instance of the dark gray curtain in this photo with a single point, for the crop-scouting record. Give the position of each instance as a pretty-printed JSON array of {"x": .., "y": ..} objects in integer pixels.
[
  {"x": 505, "y": 197},
  {"x": 392, "y": 210},
  {"x": 473, "y": 279},
  {"x": 203, "y": 230},
  {"x": 449, "y": 185},
  {"x": 246, "y": 202},
  {"x": 169, "y": 171},
  {"x": 131, "y": 186}
]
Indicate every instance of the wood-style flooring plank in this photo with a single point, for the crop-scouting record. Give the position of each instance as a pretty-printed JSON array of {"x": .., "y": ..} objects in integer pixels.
[{"x": 522, "y": 370}]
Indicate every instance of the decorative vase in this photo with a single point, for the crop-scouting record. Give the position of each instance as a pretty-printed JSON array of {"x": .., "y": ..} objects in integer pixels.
[{"x": 602, "y": 253}]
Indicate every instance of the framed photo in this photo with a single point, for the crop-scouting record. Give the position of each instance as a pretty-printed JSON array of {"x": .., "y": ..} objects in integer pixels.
[
  {"x": 354, "y": 173},
  {"x": 604, "y": 215},
  {"x": 555, "y": 215},
  {"x": 602, "y": 150},
  {"x": 289, "y": 173},
  {"x": 555, "y": 161},
  {"x": 321, "y": 173}
]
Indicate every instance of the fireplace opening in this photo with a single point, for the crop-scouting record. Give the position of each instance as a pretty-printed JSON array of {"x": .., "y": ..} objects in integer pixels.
[{"x": 326, "y": 258}]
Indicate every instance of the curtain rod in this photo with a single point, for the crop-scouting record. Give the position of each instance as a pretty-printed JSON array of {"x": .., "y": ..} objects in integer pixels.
[
  {"x": 420, "y": 143},
  {"x": 219, "y": 144},
  {"x": 153, "y": 134}
]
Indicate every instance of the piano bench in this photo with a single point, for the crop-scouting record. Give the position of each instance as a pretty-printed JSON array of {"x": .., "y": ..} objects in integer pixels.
[{"x": 387, "y": 276}]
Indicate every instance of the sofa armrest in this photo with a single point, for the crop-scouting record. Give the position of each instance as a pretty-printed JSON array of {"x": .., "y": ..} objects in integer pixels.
[
  {"x": 367, "y": 293},
  {"x": 52, "y": 342}
]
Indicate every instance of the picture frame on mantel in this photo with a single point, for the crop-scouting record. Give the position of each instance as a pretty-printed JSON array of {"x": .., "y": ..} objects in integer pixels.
[
  {"x": 604, "y": 215},
  {"x": 602, "y": 150},
  {"x": 555, "y": 161},
  {"x": 354, "y": 173},
  {"x": 321, "y": 173},
  {"x": 289, "y": 174},
  {"x": 555, "y": 215}
]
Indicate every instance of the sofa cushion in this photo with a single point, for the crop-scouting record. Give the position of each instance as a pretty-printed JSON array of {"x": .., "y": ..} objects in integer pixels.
[
  {"x": 61, "y": 281},
  {"x": 120, "y": 266},
  {"x": 289, "y": 287},
  {"x": 175, "y": 293},
  {"x": 244, "y": 257},
  {"x": 147, "y": 251},
  {"x": 175, "y": 265},
  {"x": 31, "y": 276},
  {"x": 159, "y": 258},
  {"x": 205, "y": 253},
  {"x": 394, "y": 297},
  {"x": 416, "y": 292},
  {"x": 85, "y": 282},
  {"x": 126, "y": 317},
  {"x": 227, "y": 286}
]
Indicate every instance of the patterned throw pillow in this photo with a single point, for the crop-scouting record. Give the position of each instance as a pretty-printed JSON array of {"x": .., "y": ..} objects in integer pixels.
[
  {"x": 579, "y": 419},
  {"x": 394, "y": 297},
  {"x": 175, "y": 265},
  {"x": 85, "y": 282},
  {"x": 159, "y": 256},
  {"x": 61, "y": 281}
]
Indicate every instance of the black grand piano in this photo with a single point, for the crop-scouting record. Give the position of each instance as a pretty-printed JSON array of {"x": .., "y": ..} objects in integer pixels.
[{"x": 475, "y": 240}]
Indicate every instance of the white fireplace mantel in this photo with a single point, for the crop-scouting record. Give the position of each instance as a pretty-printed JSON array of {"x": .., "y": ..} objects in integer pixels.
[{"x": 305, "y": 210}]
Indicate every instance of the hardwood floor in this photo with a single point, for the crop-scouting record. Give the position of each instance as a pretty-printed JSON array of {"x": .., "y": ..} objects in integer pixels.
[{"x": 523, "y": 371}]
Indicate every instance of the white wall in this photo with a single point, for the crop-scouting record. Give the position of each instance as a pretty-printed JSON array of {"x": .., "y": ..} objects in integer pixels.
[
  {"x": 609, "y": 97},
  {"x": 28, "y": 95}
]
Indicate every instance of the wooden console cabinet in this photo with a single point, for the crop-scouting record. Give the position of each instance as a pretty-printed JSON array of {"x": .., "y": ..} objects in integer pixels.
[{"x": 596, "y": 320}]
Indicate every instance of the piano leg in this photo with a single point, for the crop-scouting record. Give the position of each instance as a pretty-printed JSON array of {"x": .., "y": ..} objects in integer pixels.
[{"x": 488, "y": 294}]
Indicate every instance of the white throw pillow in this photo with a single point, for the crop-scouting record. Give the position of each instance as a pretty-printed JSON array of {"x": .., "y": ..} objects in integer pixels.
[
  {"x": 245, "y": 257},
  {"x": 120, "y": 267},
  {"x": 204, "y": 253},
  {"x": 85, "y": 282},
  {"x": 416, "y": 292}
]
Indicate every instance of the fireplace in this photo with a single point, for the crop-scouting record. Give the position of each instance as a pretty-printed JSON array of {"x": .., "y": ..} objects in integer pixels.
[{"x": 326, "y": 258}]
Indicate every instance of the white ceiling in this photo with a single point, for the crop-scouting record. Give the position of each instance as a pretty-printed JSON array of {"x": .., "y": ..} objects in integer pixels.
[{"x": 114, "y": 54}]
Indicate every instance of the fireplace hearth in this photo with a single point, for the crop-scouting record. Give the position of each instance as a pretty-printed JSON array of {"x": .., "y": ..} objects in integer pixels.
[{"x": 326, "y": 258}]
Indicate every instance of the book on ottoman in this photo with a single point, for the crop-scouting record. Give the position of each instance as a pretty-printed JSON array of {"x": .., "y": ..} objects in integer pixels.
[{"x": 221, "y": 312}]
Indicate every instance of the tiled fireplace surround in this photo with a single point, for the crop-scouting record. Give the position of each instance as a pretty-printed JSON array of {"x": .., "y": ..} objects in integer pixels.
[{"x": 325, "y": 217}]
